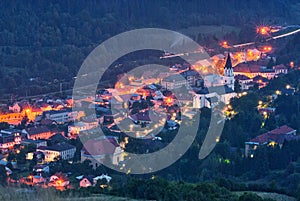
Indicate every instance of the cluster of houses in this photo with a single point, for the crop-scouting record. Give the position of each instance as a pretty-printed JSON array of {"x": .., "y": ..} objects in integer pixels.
[{"x": 132, "y": 102}]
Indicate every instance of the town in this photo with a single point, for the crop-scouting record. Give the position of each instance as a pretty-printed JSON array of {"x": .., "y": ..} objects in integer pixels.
[{"x": 37, "y": 133}]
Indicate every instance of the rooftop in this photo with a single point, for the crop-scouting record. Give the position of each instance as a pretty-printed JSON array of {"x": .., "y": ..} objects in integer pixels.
[{"x": 57, "y": 147}]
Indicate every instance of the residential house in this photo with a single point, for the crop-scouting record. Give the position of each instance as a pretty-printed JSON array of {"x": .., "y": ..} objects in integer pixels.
[
  {"x": 41, "y": 169},
  {"x": 9, "y": 138},
  {"x": 141, "y": 118},
  {"x": 261, "y": 81},
  {"x": 37, "y": 143},
  {"x": 271, "y": 138},
  {"x": 12, "y": 118},
  {"x": 244, "y": 81},
  {"x": 252, "y": 69},
  {"x": 174, "y": 81},
  {"x": 38, "y": 132},
  {"x": 59, "y": 180},
  {"x": 280, "y": 69},
  {"x": 100, "y": 149},
  {"x": 61, "y": 116},
  {"x": 87, "y": 181},
  {"x": 193, "y": 78},
  {"x": 16, "y": 108},
  {"x": 63, "y": 150}
]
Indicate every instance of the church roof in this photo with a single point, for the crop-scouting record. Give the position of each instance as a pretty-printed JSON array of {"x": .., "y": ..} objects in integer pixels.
[{"x": 228, "y": 62}]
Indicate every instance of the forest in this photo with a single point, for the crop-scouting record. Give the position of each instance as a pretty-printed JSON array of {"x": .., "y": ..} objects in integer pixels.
[{"x": 43, "y": 44}]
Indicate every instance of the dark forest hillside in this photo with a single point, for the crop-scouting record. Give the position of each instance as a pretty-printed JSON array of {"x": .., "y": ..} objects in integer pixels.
[{"x": 47, "y": 41}]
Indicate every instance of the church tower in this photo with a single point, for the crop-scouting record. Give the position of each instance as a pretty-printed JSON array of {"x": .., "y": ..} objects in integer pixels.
[{"x": 228, "y": 73}]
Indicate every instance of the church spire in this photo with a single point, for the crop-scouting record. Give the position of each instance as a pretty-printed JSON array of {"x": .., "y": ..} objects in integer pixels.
[{"x": 228, "y": 64}]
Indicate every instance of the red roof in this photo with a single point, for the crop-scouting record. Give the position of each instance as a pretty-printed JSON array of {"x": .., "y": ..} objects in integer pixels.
[
  {"x": 282, "y": 130},
  {"x": 247, "y": 68},
  {"x": 100, "y": 146},
  {"x": 261, "y": 139},
  {"x": 278, "y": 135}
]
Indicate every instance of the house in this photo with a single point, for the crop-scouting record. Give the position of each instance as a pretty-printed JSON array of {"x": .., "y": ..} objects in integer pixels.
[
  {"x": 210, "y": 97},
  {"x": 12, "y": 118},
  {"x": 141, "y": 118},
  {"x": 38, "y": 179},
  {"x": 41, "y": 169},
  {"x": 261, "y": 81},
  {"x": 174, "y": 81},
  {"x": 87, "y": 181},
  {"x": 244, "y": 81},
  {"x": 99, "y": 149},
  {"x": 15, "y": 108},
  {"x": 252, "y": 69},
  {"x": 280, "y": 69},
  {"x": 193, "y": 78},
  {"x": 288, "y": 91},
  {"x": 59, "y": 180},
  {"x": 61, "y": 116},
  {"x": 82, "y": 126},
  {"x": 37, "y": 143},
  {"x": 271, "y": 138},
  {"x": 38, "y": 132},
  {"x": 63, "y": 150},
  {"x": 9, "y": 138}
]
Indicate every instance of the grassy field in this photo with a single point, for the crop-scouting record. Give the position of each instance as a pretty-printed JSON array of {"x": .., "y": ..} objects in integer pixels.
[
  {"x": 18, "y": 194},
  {"x": 275, "y": 196},
  {"x": 98, "y": 198}
]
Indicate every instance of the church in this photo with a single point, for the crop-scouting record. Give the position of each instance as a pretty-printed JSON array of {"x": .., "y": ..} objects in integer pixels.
[{"x": 217, "y": 88}]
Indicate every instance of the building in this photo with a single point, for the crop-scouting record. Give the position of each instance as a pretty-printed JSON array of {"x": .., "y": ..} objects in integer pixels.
[
  {"x": 38, "y": 132},
  {"x": 61, "y": 116},
  {"x": 174, "y": 81},
  {"x": 193, "y": 78},
  {"x": 90, "y": 180},
  {"x": 59, "y": 180},
  {"x": 219, "y": 88},
  {"x": 63, "y": 150},
  {"x": 141, "y": 118},
  {"x": 244, "y": 81},
  {"x": 215, "y": 80},
  {"x": 274, "y": 137},
  {"x": 253, "y": 69},
  {"x": 100, "y": 149},
  {"x": 37, "y": 143},
  {"x": 211, "y": 97},
  {"x": 12, "y": 118},
  {"x": 9, "y": 138},
  {"x": 280, "y": 69},
  {"x": 228, "y": 78},
  {"x": 87, "y": 181},
  {"x": 41, "y": 169},
  {"x": 82, "y": 126}
]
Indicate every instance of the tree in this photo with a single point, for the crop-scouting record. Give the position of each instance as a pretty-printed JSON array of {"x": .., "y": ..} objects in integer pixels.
[
  {"x": 298, "y": 193},
  {"x": 3, "y": 175},
  {"x": 21, "y": 157},
  {"x": 250, "y": 197},
  {"x": 237, "y": 86}
]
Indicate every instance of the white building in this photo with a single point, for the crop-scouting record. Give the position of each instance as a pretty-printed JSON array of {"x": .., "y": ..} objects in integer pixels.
[
  {"x": 218, "y": 88},
  {"x": 64, "y": 151},
  {"x": 100, "y": 149},
  {"x": 61, "y": 116},
  {"x": 174, "y": 81}
]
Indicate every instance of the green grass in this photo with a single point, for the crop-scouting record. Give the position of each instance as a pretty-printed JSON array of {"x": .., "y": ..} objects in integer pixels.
[
  {"x": 22, "y": 194},
  {"x": 275, "y": 196}
]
